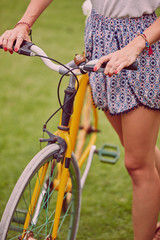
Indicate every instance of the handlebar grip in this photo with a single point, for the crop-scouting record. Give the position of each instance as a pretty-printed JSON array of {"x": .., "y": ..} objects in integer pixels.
[
  {"x": 24, "y": 48},
  {"x": 89, "y": 67},
  {"x": 133, "y": 66}
]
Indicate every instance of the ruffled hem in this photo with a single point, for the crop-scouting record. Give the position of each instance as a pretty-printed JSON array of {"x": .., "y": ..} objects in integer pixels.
[{"x": 126, "y": 111}]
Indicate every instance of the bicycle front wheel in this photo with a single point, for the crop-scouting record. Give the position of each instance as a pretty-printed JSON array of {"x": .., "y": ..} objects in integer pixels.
[{"x": 35, "y": 195}]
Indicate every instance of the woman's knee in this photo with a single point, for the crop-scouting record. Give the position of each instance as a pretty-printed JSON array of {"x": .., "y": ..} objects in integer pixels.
[{"x": 139, "y": 166}]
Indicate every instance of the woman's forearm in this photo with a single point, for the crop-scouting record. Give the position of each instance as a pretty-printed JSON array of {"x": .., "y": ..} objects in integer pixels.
[
  {"x": 34, "y": 10},
  {"x": 153, "y": 32}
]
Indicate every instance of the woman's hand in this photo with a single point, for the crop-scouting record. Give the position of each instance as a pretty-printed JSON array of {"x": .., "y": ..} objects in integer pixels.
[
  {"x": 121, "y": 58},
  {"x": 18, "y": 34}
]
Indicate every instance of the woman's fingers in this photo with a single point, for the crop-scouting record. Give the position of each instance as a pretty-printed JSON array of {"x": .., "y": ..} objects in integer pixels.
[
  {"x": 4, "y": 40},
  {"x": 100, "y": 62},
  {"x": 111, "y": 66},
  {"x": 14, "y": 37},
  {"x": 19, "y": 41},
  {"x": 117, "y": 61}
]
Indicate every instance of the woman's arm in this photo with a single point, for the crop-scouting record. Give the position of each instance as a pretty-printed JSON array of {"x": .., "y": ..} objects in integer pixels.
[
  {"x": 153, "y": 32},
  {"x": 34, "y": 10},
  {"x": 21, "y": 31},
  {"x": 127, "y": 55}
]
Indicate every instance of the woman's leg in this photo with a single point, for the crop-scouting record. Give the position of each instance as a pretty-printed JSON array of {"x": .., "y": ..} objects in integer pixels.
[
  {"x": 116, "y": 123},
  {"x": 157, "y": 159},
  {"x": 140, "y": 129}
]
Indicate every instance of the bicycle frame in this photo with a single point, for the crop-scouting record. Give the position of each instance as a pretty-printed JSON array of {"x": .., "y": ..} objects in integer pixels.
[
  {"x": 83, "y": 82},
  {"x": 69, "y": 133}
]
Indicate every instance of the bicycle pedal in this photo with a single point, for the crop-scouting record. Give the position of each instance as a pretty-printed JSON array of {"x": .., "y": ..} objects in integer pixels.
[
  {"x": 16, "y": 229},
  {"x": 20, "y": 216},
  {"x": 108, "y": 153}
]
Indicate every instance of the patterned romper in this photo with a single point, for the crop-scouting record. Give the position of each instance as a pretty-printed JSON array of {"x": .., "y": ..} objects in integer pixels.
[{"x": 129, "y": 89}]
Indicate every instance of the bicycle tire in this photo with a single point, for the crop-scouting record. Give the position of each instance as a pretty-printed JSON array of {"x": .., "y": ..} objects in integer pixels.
[{"x": 16, "y": 205}]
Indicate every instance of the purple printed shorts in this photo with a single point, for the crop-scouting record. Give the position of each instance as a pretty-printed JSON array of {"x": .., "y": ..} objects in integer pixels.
[{"x": 125, "y": 91}]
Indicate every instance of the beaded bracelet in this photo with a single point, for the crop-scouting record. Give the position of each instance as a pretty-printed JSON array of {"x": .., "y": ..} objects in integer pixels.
[
  {"x": 150, "y": 52},
  {"x": 30, "y": 28},
  {"x": 23, "y": 23}
]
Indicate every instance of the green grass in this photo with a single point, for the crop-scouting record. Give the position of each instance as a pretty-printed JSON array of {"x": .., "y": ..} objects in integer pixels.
[{"x": 28, "y": 98}]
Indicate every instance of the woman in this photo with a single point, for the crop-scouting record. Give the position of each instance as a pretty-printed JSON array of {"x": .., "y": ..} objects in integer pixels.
[{"x": 120, "y": 31}]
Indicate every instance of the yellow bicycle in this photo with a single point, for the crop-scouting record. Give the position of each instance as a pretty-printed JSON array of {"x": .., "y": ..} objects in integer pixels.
[{"x": 45, "y": 202}]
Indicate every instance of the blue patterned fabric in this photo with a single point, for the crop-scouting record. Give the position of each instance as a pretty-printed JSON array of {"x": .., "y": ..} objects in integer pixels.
[{"x": 122, "y": 92}]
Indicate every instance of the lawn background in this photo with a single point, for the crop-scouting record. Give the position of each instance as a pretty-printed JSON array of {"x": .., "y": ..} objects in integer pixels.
[{"x": 28, "y": 98}]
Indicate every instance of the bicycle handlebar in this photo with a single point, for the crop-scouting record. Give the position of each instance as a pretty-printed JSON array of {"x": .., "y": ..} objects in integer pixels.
[{"x": 30, "y": 49}]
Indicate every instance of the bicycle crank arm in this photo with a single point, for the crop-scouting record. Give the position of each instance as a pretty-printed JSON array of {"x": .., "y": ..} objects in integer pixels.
[{"x": 90, "y": 157}]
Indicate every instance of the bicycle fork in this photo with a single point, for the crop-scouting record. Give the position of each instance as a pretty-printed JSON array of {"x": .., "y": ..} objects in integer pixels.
[{"x": 63, "y": 183}]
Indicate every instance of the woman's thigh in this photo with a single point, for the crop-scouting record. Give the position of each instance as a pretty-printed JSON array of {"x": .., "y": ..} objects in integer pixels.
[
  {"x": 140, "y": 130},
  {"x": 116, "y": 123}
]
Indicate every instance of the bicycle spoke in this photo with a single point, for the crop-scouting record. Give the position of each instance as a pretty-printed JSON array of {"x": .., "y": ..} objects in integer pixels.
[{"x": 38, "y": 199}]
